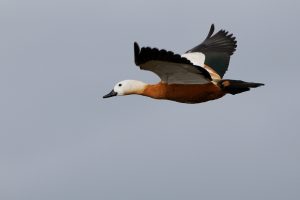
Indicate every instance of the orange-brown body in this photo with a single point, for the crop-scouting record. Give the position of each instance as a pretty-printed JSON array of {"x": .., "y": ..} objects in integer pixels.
[{"x": 184, "y": 93}]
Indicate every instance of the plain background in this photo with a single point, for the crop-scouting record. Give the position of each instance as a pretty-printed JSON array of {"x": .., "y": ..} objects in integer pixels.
[{"x": 60, "y": 140}]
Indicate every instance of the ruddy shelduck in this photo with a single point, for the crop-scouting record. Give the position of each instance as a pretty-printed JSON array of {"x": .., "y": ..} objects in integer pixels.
[{"x": 194, "y": 77}]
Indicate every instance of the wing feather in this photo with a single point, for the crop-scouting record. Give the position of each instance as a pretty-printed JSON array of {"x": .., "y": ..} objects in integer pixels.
[
  {"x": 217, "y": 49},
  {"x": 170, "y": 67}
]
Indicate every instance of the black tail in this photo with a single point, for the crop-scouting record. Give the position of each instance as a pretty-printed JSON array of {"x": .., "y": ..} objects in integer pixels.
[{"x": 237, "y": 86}]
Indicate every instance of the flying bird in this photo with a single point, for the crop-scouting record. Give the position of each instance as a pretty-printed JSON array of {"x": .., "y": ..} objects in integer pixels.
[{"x": 194, "y": 77}]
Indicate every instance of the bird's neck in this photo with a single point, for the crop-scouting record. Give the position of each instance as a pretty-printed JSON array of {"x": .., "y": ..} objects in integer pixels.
[
  {"x": 136, "y": 87},
  {"x": 156, "y": 91}
]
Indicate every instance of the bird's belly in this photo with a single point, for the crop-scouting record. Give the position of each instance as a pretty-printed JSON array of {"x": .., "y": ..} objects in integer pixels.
[{"x": 193, "y": 93}]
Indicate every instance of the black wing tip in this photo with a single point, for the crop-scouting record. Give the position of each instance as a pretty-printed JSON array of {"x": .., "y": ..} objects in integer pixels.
[
  {"x": 146, "y": 54},
  {"x": 136, "y": 52},
  {"x": 136, "y": 47},
  {"x": 220, "y": 41},
  {"x": 211, "y": 31},
  {"x": 230, "y": 38}
]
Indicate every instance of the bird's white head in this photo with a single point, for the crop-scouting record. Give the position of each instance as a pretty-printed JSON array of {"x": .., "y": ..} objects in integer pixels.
[{"x": 127, "y": 87}]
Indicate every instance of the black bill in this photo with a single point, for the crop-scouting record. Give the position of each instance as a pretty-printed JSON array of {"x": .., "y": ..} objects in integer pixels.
[{"x": 111, "y": 94}]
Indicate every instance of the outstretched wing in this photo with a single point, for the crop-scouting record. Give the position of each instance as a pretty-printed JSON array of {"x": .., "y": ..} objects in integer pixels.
[
  {"x": 170, "y": 67},
  {"x": 214, "y": 51}
]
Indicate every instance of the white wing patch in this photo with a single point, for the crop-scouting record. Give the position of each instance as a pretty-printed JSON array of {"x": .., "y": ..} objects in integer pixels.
[
  {"x": 196, "y": 58},
  {"x": 175, "y": 73}
]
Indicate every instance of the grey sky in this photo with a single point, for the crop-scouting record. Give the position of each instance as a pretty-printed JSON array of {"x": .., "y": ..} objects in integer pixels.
[{"x": 60, "y": 140}]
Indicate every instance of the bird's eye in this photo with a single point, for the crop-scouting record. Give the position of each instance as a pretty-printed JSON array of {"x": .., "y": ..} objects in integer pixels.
[{"x": 120, "y": 85}]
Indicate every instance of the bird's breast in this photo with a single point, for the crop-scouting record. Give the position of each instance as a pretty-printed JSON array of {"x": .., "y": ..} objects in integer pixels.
[{"x": 185, "y": 93}]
